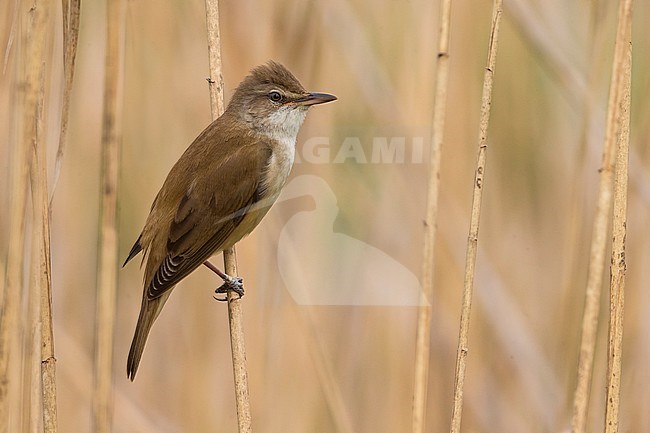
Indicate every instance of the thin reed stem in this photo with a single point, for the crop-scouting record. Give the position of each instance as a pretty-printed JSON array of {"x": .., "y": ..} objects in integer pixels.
[
  {"x": 423, "y": 333},
  {"x": 589, "y": 329},
  {"x": 108, "y": 247},
  {"x": 597, "y": 254},
  {"x": 472, "y": 239},
  {"x": 621, "y": 75},
  {"x": 235, "y": 315}
]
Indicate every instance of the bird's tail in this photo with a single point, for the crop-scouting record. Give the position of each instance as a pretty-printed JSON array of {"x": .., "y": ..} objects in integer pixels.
[{"x": 149, "y": 311}]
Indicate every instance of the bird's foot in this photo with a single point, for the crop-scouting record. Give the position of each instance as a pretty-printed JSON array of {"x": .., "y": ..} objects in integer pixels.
[{"x": 235, "y": 284}]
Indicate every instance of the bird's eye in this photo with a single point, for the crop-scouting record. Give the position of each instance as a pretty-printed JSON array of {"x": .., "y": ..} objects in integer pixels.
[{"x": 275, "y": 96}]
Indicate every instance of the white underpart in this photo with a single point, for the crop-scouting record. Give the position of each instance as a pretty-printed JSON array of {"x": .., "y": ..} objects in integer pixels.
[{"x": 282, "y": 127}]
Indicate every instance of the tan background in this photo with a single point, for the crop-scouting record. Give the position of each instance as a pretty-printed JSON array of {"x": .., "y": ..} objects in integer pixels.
[{"x": 378, "y": 58}]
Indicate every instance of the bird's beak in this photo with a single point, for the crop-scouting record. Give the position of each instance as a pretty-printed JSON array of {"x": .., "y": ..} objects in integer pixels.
[{"x": 316, "y": 98}]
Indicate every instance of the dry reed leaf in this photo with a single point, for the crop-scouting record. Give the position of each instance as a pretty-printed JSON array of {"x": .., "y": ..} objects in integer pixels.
[
  {"x": 10, "y": 326},
  {"x": 71, "y": 15},
  {"x": 41, "y": 295}
]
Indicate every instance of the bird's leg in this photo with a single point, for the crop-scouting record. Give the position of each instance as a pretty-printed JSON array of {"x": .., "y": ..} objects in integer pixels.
[{"x": 229, "y": 283}]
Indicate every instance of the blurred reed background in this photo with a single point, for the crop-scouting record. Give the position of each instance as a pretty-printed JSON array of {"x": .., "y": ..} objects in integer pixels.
[{"x": 340, "y": 368}]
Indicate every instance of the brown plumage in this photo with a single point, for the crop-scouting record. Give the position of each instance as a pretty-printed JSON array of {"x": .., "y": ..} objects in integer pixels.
[{"x": 220, "y": 188}]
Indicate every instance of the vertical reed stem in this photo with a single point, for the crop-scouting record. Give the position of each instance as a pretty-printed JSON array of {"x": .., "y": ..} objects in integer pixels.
[
  {"x": 472, "y": 240},
  {"x": 423, "y": 335},
  {"x": 622, "y": 69},
  {"x": 235, "y": 315},
  {"x": 599, "y": 236},
  {"x": 107, "y": 261}
]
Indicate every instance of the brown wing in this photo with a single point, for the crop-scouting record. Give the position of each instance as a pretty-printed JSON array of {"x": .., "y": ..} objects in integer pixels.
[{"x": 207, "y": 214}]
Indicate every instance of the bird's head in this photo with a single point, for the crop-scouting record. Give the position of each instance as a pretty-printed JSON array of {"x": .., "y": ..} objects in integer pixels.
[{"x": 271, "y": 101}]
